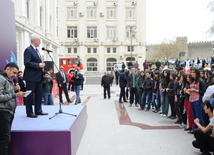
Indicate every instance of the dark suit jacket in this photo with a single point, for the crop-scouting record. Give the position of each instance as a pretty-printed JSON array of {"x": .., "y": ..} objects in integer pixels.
[
  {"x": 123, "y": 80},
  {"x": 22, "y": 85},
  {"x": 130, "y": 80},
  {"x": 32, "y": 72},
  {"x": 60, "y": 79}
]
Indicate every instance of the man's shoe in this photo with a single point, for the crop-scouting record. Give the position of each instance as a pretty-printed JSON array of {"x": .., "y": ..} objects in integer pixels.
[
  {"x": 188, "y": 129},
  {"x": 169, "y": 117},
  {"x": 136, "y": 105},
  {"x": 125, "y": 101},
  {"x": 42, "y": 113},
  {"x": 140, "y": 109},
  {"x": 109, "y": 97},
  {"x": 70, "y": 101},
  {"x": 32, "y": 115},
  {"x": 75, "y": 103},
  {"x": 120, "y": 102},
  {"x": 173, "y": 118},
  {"x": 190, "y": 132},
  {"x": 147, "y": 109},
  {"x": 130, "y": 105},
  {"x": 104, "y": 98}
]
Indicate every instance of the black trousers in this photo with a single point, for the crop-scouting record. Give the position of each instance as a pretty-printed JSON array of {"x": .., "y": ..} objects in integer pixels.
[
  {"x": 133, "y": 95},
  {"x": 204, "y": 141},
  {"x": 172, "y": 105},
  {"x": 69, "y": 86},
  {"x": 6, "y": 120},
  {"x": 108, "y": 91},
  {"x": 127, "y": 93},
  {"x": 122, "y": 94},
  {"x": 64, "y": 87}
]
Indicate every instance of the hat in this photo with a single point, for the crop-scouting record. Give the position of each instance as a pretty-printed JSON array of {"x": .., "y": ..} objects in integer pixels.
[{"x": 212, "y": 102}]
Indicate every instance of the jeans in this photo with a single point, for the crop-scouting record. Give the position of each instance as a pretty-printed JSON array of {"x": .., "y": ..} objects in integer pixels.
[
  {"x": 133, "y": 95},
  {"x": 77, "y": 91},
  {"x": 140, "y": 93},
  {"x": 48, "y": 97},
  {"x": 178, "y": 112},
  {"x": 156, "y": 96},
  {"x": 165, "y": 102},
  {"x": 116, "y": 81},
  {"x": 172, "y": 105},
  {"x": 6, "y": 120},
  {"x": 196, "y": 108},
  {"x": 204, "y": 141},
  {"x": 143, "y": 99}
]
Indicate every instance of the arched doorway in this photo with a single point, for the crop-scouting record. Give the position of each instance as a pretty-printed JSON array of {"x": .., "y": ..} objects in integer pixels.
[
  {"x": 130, "y": 59},
  {"x": 92, "y": 65},
  {"x": 110, "y": 62}
]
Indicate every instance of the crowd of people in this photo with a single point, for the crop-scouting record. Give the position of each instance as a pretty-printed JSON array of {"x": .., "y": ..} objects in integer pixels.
[{"x": 187, "y": 95}]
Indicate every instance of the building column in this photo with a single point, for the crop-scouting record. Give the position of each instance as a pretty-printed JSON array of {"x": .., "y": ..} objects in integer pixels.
[
  {"x": 56, "y": 59},
  {"x": 47, "y": 18},
  {"x": 37, "y": 15},
  {"x": 54, "y": 20},
  {"x": 47, "y": 56},
  {"x": 21, "y": 51}
]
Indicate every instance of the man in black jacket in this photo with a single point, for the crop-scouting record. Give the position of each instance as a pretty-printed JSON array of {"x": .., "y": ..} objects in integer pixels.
[
  {"x": 105, "y": 83},
  {"x": 131, "y": 84},
  {"x": 62, "y": 81},
  {"x": 158, "y": 64}
]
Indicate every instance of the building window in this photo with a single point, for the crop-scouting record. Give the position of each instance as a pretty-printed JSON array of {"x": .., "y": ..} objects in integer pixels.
[
  {"x": 91, "y": 13},
  {"x": 130, "y": 48},
  {"x": 89, "y": 50},
  {"x": 72, "y": 32},
  {"x": 108, "y": 50},
  {"x": 111, "y": 32},
  {"x": 114, "y": 50},
  {"x": 91, "y": 32},
  {"x": 27, "y": 9},
  {"x": 69, "y": 50},
  {"x": 92, "y": 65},
  {"x": 63, "y": 62},
  {"x": 71, "y": 13},
  {"x": 110, "y": 62},
  {"x": 94, "y": 50},
  {"x": 41, "y": 11},
  {"x": 69, "y": 61},
  {"x": 111, "y": 13},
  {"x": 130, "y": 32},
  {"x": 130, "y": 13},
  {"x": 75, "y": 50}
]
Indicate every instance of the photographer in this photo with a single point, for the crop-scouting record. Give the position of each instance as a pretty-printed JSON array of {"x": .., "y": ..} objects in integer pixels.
[
  {"x": 47, "y": 85},
  {"x": 78, "y": 78},
  {"x": 7, "y": 104}
]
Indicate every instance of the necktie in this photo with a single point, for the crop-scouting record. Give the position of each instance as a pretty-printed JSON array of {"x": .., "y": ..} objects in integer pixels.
[{"x": 38, "y": 54}]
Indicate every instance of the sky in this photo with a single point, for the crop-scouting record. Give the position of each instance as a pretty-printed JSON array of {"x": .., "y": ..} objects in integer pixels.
[{"x": 168, "y": 19}]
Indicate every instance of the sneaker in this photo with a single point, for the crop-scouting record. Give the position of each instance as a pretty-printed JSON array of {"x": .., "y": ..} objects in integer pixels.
[
  {"x": 180, "y": 125},
  {"x": 136, "y": 105},
  {"x": 130, "y": 105},
  {"x": 161, "y": 114},
  {"x": 164, "y": 115}
]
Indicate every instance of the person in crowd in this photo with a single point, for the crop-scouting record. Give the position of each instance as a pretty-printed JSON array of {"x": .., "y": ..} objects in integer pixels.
[
  {"x": 71, "y": 82},
  {"x": 167, "y": 64},
  {"x": 156, "y": 91},
  {"x": 187, "y": 104},
  {"x": 158, "y": 64},
  {"x": 78, "y": 80},
  {"x": 105, "y": 83},
  {"x": 139, "y": 83},
  {"x": 161, "y": 69},
  {"x": 212, "y": 68},
  {"x": 207, "y": 61},
  {"x": 136, "y": 65},
  {"x": 122, "y": 84},
  {"x": 160, "y": 88},
  {"x": 147, "y": 91},
  {"x": 127, "y": 74},
  {"x": 202, "y": 75},
  {"x": 196, "y": 106},
  {"x": 22, "y": 83},
  {"x": 131, "y": 84},
  {"x": 130, "y": 64},
  {"x": 123, "y": 66},
  {"x": 198, "y": 62},
  {"x": 62, "y": 81},
  {"x": 145, "y": 65},
  {"x": 50, "y": 72},
  {"x": 171, "y": 93},
  {"x": 208, "y": 78},
  {"x": 7, "y": 104},
  {"x": 187, "y": 63},
  {"x": 150, "y": 65},
  {"x": 204, "y": 141},
  {"x": 33, "y": 76},
  {"x": 179, "y": 99},
  {"x": 180, "y": 72},
  {"x": 212, "y": 60},
  {"x": 176, "y": 70},
  {"x": 82, "y": 82},
  {"x": 117, "y": 75},
  {"x": 112, "y": 76},
  {"x": 47, "y": 85},
  {"x": 203, "y": 63},
  {"x": 177, "y": 63},
  {"x": 136, "y": 71},
  {"x": 164, "y": 94}
]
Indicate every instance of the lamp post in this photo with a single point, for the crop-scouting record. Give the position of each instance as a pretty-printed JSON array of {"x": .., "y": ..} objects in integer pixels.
[{"x": 131, "y": 32}]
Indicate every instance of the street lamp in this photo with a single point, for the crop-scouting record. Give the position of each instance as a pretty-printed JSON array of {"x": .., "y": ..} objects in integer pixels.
[{"x": 131, "y": 31}]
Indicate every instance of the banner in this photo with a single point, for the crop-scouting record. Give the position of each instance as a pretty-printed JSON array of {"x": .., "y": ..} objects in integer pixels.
[{"x": 8, "y": 51}]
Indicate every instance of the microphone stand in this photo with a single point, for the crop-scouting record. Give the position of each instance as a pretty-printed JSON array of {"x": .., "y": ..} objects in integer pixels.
[{"x": 60, "y": 107}]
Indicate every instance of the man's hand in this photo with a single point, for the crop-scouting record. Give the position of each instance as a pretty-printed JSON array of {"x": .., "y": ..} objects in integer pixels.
[
  {"x": 128, "y": 88},
  {"x": 176, "y": 99},
  {"x": 167, "y": 89},
  {"x": 196, "y": 121},
  {"x": 41, "y": 65},
  {"x": 154, "y": 94},
  {"x": 20, "y": 94},
  {"x": 77, "y": 77},
  {"x": 17, "y": 87},
  {"x": 60, "y": 85}
]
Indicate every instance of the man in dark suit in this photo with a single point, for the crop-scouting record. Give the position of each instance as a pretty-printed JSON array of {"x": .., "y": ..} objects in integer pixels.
[
  {"x": 123, "y": 82},
  {"x": 62, "y": 81},
  {"x": 33, "y": 76},
  {"x": 105, "y": 83}
]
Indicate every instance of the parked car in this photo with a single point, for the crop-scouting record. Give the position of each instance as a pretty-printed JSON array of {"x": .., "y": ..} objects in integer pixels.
[{"x": 119, "y": 67}]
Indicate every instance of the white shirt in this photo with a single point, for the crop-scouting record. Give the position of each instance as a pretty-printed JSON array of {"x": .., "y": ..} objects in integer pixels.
[
  {"x": 208, "y": 95},
  {"x": 187, "y": 64},
  {"x": 37, "y": 51},
  {"x": 212, "y": 124},
  {"x": 63, "y": 76}
]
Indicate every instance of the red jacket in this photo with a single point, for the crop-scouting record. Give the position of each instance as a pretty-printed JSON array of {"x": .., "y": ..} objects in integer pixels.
[{"x": 70, "y": 77}]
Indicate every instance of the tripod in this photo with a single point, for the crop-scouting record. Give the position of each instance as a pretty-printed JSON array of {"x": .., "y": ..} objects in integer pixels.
[{"x": 60, "y": 106}]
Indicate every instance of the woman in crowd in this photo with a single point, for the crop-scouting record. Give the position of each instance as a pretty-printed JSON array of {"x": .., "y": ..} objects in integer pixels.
[
  {"x": 196, "y": 106},
  {"x": 171, "y": 92},
  {"x": 156, "y": 92},
  {"x": 208, "y": 78},
  {"x": 164, "y": 94},
  {"x": 139, "y": 83},
  {"x": 187, "y": 104},
  {"x": 202, "y": 75}
]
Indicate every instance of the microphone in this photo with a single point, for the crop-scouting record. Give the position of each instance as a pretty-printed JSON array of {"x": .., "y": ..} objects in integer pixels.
[
  {"x": 15, "y": 82},
  {"x": 44, "y": 49}
]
